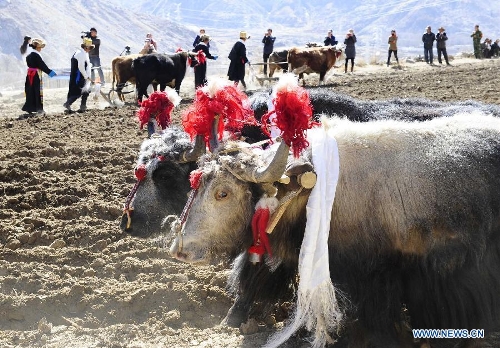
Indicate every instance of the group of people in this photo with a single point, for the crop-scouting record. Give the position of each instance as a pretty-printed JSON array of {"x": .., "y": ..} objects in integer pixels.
[
  {"x": 428, "y": 39},
  {"x": 350, "y": 46},
  {"x": 81, "y": 73},
  {"x": 485, "y": 49}
]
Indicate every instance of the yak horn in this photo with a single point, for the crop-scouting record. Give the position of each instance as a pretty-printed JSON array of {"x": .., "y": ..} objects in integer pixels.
[
  {"x": 198, "y": 150},
  {"x": 214, "y": 137},
  {"x": 275, "y": 169}
]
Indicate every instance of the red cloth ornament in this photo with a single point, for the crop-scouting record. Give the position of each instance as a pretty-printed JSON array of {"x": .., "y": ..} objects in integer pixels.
[
  {"x": 157, "y": 106},
  {"x": 293, "y": 110},
  {"x": 141, "y": 172},
  {"x": 260, "y": 220},
  {"x": 231, "y": 104},
  {"x": 195, "y": 178},
  {"x": 201, "y": 57}
]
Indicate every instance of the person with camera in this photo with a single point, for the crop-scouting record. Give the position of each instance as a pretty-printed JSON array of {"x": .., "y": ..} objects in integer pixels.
[
  {"x": 330, "y": 39},
  {"x": 79, "y": 78},
  {"x": 95, "y": 60},
  {"x": 428, "y": 39},
  {"x": 150, "y": 45},
  {"x": 441, "y": 45},
  {"x": 393, "y": 47},
  {"x": 200, "y": 70},
  {"x": 33, "y": 87},
  {"x": 350, "y": 49},
  {"x": 268, "y": 42}
]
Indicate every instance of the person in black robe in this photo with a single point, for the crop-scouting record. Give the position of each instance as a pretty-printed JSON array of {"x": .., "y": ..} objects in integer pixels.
[
  {"x": 79, "y": 78},
  {"x": 238, "y": 58},
  {"x": 33, "y": 86},
  {"x": 200, "y": 70}
]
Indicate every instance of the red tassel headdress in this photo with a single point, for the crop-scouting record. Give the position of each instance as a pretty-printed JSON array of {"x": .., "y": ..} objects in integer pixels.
[
  {"x": 217, "y": 99},
  {"x": 159, "y": 106},
  {"x": 292, "y": 113}
]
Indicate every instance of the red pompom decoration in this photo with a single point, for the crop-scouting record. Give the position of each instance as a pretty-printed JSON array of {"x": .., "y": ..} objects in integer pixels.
[
  {"x": 195, "y": 178},
  {"x": 141, "y": 172},
  {"x": 293, "y": 110},
  {"x": 231, "y": 104},
  {"x": 157, "y": 106}
]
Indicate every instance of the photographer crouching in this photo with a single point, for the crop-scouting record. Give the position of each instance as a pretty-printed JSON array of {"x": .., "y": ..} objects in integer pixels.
[{"x": 94, "y": 56}]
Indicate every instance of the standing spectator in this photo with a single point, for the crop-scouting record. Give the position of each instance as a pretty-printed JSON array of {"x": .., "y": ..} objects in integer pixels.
[
  {"x": 495, "y": 49},
  {"x": 330, "y": 39},
  {"x": 393, "y": 47},
  {"x": 350, "y": 49},
  {"x": 79, "y": 78},
  {"x": 487, "y": 48},
  {"x": 33, "y": 87},
  {"x": 441, "y": 45},
  {"x": 476, "y": 36},
  {"x": 94, "y": 57},
  {"x": 428, "y": 40},
  {"x": 200, "y": 70},
  {"x": 238, "y": 58},
  {"x": 268, "y": 42},
  {"x": 198, "y": 37},
  {"x": 150, "y": 45}
]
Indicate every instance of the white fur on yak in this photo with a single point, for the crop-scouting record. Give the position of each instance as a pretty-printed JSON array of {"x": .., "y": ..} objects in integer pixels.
[{"x": 415, "y": 222}]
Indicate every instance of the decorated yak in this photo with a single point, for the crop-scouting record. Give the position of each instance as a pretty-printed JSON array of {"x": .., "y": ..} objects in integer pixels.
[
  {"x": 387, "y": 215},
  {"x": 166, "y": 159}
]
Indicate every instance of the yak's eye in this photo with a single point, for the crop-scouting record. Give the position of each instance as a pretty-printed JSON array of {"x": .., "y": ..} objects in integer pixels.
[{"x": 220, "y": 195}]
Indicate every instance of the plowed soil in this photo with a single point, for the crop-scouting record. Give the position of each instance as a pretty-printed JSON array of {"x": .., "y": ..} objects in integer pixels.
[{"x": 70, "y": 278}]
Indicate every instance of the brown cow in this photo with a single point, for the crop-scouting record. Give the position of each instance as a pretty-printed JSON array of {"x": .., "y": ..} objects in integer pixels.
[
  {"x": 312, "y": 60},
  {"x": 121, "y": 68}
]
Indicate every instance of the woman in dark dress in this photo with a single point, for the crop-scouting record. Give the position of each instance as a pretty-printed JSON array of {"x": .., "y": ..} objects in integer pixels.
[
  {"x": 33, "y": 86},
  {"x": 200, "y": 70},
  {"x": 350, "y": 49},
  {"x": 238, "y": 58}
]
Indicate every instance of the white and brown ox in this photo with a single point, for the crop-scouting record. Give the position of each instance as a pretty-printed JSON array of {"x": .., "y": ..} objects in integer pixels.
[
  {"x": 415, "y": 223},
  {"x": 312, "y": 60}
]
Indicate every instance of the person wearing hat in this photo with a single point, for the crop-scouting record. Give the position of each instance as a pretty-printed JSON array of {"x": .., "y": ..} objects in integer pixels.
[
  {"x": 428, "y": 39},
  {"x": 393, "y": 47},
  {"x": 350, "y": 49},
  {"x": 268, "y": 42},
  {"x": 476, "y": 36},
  {"x": 33, "y": 87},
  {"x": 79, "y": 78},
  {"x": 95, "y": 60},
  {"x": 441, "y": 45},
  {"x": 200, "y": 70},
  {"x": 238, "y": 58}
]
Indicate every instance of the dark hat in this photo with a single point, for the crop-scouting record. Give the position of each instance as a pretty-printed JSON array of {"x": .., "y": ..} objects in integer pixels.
[{"x": 93, "y": 29}]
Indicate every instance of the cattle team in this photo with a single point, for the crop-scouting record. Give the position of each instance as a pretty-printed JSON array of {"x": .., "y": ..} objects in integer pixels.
[{"x": 411, "y": 233}]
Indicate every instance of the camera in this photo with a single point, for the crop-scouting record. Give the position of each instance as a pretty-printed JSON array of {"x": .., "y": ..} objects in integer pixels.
[{"x": 85, "y": 34}]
